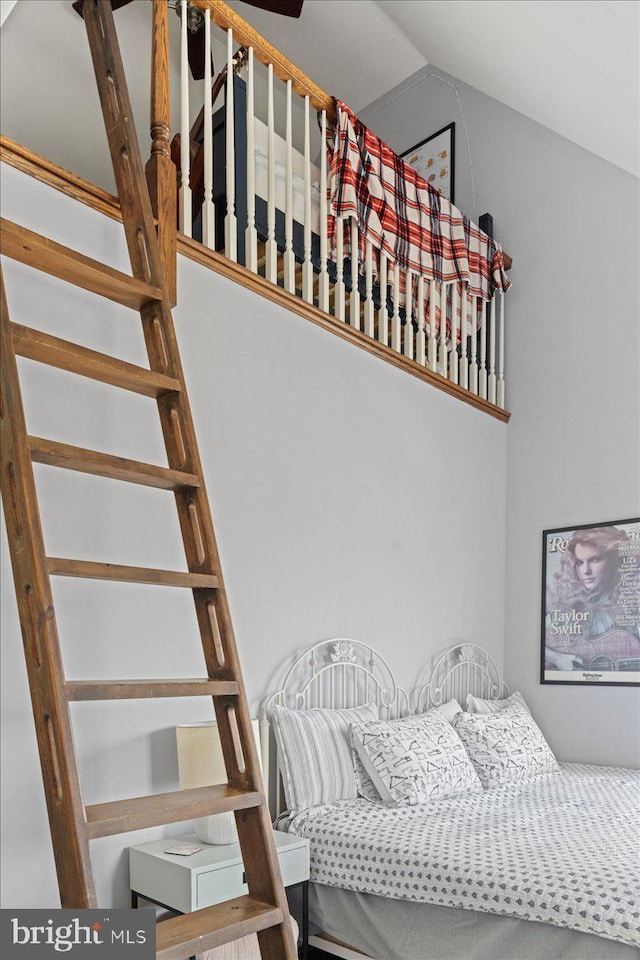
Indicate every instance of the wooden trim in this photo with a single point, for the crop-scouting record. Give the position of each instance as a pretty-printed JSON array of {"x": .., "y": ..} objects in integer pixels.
[
  {"x": 59, "y": 177},
  {"x": 36, "y": 166},
  {"x": 265, "y": 52},
  {"x": 234, "y": 271}
]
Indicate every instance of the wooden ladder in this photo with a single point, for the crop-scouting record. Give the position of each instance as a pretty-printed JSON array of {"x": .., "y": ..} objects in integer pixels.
[{"x": 264, "y": 910}]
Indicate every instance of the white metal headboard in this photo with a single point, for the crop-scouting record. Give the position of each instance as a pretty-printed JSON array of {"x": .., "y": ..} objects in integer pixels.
[
  {"x": 334, "y": 674},
  {"x": 463, "y": 669}
]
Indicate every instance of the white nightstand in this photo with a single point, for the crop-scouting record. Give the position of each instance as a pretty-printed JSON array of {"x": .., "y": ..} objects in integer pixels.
[{"x": 212, "y": 875}]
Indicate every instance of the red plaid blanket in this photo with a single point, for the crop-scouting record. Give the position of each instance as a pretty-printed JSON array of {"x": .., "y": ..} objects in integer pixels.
[{"x": 401, "y": 214}]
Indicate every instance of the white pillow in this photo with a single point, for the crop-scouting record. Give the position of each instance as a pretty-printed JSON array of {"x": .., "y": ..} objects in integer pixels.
[
  {"x": 447, "y": 710},
  {"x": 316, "y": 753},
  {"x": 413, "y": 760},
  {"x": 507, "y": 745},
  {"x": 476, "y": 705},
  {"x": 366, "y": 786}
]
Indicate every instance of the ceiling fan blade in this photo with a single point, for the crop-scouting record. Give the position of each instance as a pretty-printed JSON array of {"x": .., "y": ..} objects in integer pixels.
[
  {"x": 195, "y": 39},
  {"x": 288, "y": 8},
  {"x": 195, "y": 53}
]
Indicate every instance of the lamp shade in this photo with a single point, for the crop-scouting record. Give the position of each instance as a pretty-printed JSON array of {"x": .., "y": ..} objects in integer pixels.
[{"x": 201, "y": 764}]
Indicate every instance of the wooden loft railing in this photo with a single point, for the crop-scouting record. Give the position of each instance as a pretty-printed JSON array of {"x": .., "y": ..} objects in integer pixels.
[
  {"x": 246, "y": 36},
  {"x": 272, "y": 248},
  {"x": 72, "y": 185}
]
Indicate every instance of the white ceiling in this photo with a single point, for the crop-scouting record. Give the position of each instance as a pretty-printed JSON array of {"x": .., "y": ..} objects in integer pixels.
[{"x": 571, "y": 65}]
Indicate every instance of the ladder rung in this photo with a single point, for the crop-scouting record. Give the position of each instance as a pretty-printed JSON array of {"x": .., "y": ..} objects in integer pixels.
[
  {"x": 139, "y": 689},
  {"x": 120, "y": 816},
  {"x": 56, "y": 454},
  {"x": 62, "y": 567},
  {"x": 65, "y": 355},
  {"x": 67, "y": 264},
  {"x": 193, "y": 933}
]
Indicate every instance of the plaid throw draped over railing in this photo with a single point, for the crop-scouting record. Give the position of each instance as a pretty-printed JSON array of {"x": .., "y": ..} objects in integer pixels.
[{"x": 400, "y": 214}]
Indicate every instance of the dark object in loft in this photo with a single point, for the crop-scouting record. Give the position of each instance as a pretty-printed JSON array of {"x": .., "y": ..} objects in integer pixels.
[{"x": 195, "y": 36}]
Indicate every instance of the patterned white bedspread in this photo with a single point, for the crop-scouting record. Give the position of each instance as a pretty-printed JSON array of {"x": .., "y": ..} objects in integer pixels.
[{"x": 563, "y": 848}]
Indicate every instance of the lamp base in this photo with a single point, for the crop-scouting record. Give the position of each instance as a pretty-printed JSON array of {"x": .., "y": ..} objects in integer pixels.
[{"x": 217, "y": 829}]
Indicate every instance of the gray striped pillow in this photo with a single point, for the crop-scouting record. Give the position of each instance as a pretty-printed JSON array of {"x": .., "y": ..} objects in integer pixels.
[{"x": 316, "y": 753}]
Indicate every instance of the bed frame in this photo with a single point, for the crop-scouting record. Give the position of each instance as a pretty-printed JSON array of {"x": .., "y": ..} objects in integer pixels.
[
  {"x": 348, "y": 673},
  {"x": 462, "y": 670}
]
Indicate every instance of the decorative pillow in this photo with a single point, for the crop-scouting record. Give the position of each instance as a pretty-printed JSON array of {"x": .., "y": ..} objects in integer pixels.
[
  {"x": 413, "y": 760},
  {"x": 316, "y": 753},
  {"x": 507, "y": 745},
  {"x": 476, "y": 705},
  {"x": 447, "y": 710},
  {"x": 365, "y": 785}
]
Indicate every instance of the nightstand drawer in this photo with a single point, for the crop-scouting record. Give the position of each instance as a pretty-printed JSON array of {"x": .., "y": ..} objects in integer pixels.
[
  {"x": 218, "y": 885},
  {"x": 294, "y": 865}
]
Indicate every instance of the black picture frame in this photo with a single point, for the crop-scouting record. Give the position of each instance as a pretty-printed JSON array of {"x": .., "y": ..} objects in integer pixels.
[
  {"x": 418, "y": 157},
  {"x": 591, "y": 582}
]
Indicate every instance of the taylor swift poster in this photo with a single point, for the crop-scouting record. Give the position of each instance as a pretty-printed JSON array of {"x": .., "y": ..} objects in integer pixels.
[{"x": 591, "y": 604}]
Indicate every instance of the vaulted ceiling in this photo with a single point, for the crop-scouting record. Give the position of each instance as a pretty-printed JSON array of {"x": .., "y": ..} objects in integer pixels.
[{"x": 571, "y": 65}]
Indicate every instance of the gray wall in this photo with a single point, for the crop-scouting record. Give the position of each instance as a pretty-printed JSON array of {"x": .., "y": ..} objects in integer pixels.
[
  {"x": 570, "y": 221},
  {"x": 45, "y": 63},
  {"x": 349, "y": 499}
]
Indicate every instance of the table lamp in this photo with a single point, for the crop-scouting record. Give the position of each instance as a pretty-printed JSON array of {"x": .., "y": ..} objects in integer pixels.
[{"x": 201, "y": 764}]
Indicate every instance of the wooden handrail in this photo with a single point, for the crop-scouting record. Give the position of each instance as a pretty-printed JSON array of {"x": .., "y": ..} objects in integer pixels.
[{"x": 265, "y": 52}]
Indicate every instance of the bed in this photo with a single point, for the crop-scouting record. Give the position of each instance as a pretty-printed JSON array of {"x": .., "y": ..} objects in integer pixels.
[{"x": 539, "y": 868}]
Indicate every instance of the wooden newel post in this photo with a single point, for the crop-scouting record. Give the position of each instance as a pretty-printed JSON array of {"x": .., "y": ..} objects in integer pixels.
[{"x": 160, "y": 170}]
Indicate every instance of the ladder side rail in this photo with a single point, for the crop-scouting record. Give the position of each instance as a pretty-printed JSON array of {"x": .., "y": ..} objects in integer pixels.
[
  {"x": 40, "y": 637},
  {"x": 254, "y": 826}
]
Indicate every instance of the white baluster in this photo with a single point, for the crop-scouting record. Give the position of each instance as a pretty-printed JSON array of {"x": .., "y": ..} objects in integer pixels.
[
  {"x": 289, "y": 257},
  {"x": 184, "y": 195},
  {"x": 453, "y": 355},
  {"x": 383, "y": 313},
  {"x": 421, "y": 335},
  {"x": 483, "y": 352},
  {"x": 408, "y": 325},
  {"x": 492, "y": 351},
  {"x": 339, "y": 287},
  {"x": 463, "y": 378},
  {"x": 500, "y": 395},
  {"x": 251, "y": 234},
  {"x": 271, "y": 249},
  {"x": 323, "y": 280},
  {"x": 354, "y": 301},
  {"x": 369, "y": 314},
  {"x": 396, "y": 333},
  {"x": 307, "y": 266},
  {"x": 230, "y": 221},
  {"x": 473, "y": 366},
  {"x": 208, "y": 210},
  {"x": 433, "y": 345},
  {"x": 442, "y": 360}
]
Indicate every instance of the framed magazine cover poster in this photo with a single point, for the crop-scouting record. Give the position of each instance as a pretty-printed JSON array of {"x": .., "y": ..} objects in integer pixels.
[
  {"x": 434, "y": 160},
  {"x": 591, "y": 604}
]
